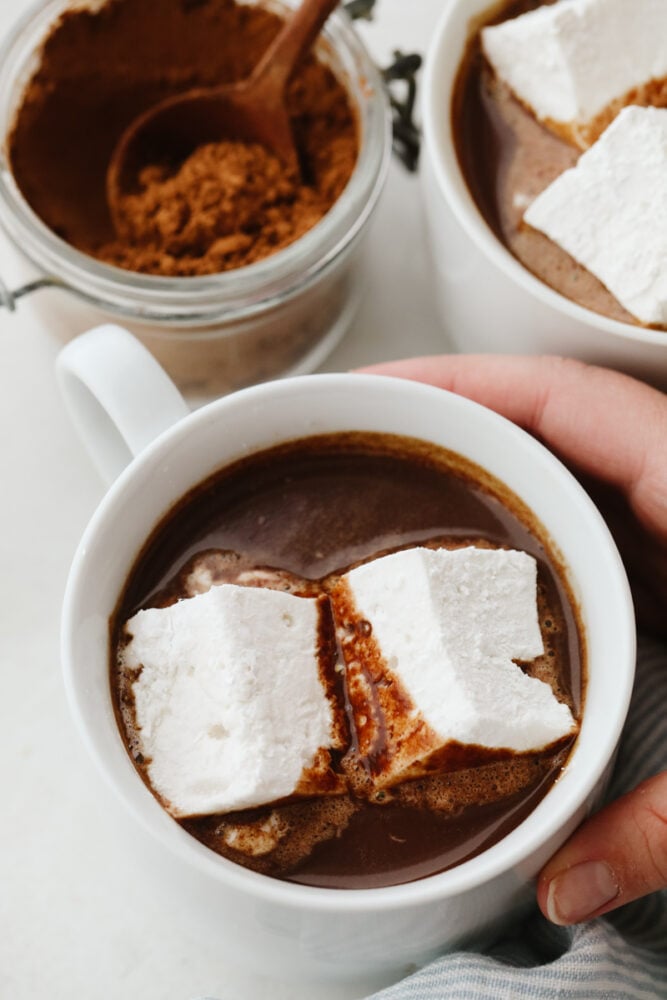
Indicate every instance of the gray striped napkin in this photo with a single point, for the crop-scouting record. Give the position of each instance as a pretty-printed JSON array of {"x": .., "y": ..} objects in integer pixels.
[{"x": 619, "y": 957}]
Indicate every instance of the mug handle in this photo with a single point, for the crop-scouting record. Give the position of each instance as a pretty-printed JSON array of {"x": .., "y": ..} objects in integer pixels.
[{"x": 117, "y": 395}]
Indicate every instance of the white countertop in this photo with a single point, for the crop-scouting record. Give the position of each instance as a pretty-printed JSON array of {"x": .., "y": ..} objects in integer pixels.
[{"x": 81, "y": 916}]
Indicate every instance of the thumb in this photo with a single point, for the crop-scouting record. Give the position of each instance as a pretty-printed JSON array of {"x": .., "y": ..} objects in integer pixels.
[{"x": 617, "y": 856}]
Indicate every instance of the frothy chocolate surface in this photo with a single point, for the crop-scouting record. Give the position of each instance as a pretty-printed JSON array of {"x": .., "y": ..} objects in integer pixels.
[
  {"x": 294, "y": 518},
  {"x": 507, "y": 158}
]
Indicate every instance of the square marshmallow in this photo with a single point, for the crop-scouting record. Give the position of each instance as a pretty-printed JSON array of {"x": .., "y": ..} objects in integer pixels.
[
  {"x": 444, "y": 627},
  {"x": 609, "y": 212},
  {"x": 229, "y": 702},
  {"x": 571, "y": 61}
]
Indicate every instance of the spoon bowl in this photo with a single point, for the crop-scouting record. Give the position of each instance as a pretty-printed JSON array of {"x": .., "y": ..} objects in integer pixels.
[{"x": 251, "y": 111}]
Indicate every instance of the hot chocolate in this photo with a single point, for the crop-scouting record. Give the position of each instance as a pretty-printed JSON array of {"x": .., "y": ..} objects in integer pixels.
[
  {"x": 294, "y": 519},
  {"x": 508, "y": 157}
]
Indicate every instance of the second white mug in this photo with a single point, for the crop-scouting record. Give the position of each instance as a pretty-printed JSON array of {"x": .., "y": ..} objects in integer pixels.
[{"x": 488, "y": 301}]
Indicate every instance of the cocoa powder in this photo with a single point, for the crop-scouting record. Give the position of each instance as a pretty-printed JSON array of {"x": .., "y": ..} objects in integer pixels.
[{"x": 231, "y": 203}]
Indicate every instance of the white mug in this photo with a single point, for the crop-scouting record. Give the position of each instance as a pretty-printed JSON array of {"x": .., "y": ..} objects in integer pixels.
[
  {"x": 119, "y": 397},
  {"x": 488, "y": 301}
]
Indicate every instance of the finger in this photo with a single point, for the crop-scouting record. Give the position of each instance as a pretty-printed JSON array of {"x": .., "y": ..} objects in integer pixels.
[
  {"x": 617, "y": 856},
  {"x": 606, "y": 423}
]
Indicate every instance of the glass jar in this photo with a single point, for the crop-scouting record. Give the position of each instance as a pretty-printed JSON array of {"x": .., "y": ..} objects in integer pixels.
[{"x": 218, "y": 332}]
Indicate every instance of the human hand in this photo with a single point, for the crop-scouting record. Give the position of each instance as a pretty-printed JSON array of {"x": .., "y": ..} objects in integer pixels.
[{"x": 611, "y": 430}]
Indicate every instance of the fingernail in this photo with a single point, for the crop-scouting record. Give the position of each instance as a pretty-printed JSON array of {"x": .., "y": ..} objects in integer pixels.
[{"x": 579, "y": 892}]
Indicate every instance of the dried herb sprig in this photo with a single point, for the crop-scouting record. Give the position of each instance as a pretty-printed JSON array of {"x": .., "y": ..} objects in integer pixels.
[
  {"x": 406, "y": 134},
  {"x": 360, "y": 9},
  {"x": 404, "y": 69}
]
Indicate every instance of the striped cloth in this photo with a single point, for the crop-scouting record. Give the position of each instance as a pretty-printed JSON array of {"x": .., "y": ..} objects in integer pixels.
[{"x": 619, "y": 957}]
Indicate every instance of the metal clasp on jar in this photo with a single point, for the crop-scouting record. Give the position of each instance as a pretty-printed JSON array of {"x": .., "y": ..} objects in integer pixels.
[{"x": 9, "y": 297}]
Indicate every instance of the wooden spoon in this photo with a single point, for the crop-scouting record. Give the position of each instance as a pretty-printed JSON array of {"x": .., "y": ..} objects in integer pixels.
[{"x": 252, "y": 110}]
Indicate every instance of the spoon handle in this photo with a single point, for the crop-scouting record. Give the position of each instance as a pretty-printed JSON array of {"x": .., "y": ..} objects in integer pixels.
[{"x": 290, "y": 44}]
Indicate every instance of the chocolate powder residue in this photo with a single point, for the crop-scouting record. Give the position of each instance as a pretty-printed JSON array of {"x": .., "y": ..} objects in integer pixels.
[{"x": 231, "y": 203}]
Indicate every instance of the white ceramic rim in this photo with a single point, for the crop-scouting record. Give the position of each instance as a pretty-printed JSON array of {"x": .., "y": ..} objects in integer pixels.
[
  {"x": 440, "y": 71},
  {"x": 515, "y": 846}
]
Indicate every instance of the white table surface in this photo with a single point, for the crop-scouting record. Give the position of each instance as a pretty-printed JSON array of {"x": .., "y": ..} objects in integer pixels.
[{"x": 80, "y": 915}]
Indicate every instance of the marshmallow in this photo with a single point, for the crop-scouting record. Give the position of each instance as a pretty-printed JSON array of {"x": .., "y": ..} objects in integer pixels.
[
  {"x": 571, "y": 61},
  {"x": 431, "y": 636},
  {"x": 229, "y": 703},
  {"x": 609, "y": 212},
  {"x": 214, "y": 567}
]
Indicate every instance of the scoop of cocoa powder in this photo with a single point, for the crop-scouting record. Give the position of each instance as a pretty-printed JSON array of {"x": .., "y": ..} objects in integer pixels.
[{"x": 230, "y": 204}]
